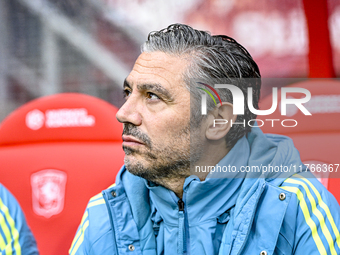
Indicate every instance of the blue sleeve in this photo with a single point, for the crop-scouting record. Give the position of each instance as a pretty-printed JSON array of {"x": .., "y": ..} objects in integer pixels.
[
  {"x": 318, "y": 218},
  {"x": 81, "y": 241},
  {"x": 94, "y": 235},
  {"x": 15, "y": 236}
]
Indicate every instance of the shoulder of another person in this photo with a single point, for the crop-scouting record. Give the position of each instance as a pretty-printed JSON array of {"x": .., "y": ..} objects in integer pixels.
[{"x": 315, "y": 214}]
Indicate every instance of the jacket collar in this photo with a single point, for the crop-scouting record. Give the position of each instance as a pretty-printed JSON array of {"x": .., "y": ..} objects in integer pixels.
[{"x": 218, "y": 191}]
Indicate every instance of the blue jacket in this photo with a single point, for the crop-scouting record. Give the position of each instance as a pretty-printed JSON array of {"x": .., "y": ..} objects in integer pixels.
[
  {"x": 15, "y": 236},
  {"x": 267, "y": 212}
]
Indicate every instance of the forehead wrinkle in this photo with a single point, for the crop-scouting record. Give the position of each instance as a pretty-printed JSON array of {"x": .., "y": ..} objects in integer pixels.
[
  {"x": 160, "y": 76},
  {"x": 156, "y": 67},
  {"x": 149, "y": 67}
]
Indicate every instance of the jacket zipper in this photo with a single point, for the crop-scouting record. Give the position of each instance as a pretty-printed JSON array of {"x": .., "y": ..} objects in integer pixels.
[{"x": 181, "y": 228}]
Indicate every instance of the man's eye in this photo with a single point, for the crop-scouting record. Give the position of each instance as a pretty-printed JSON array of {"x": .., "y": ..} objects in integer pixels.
[
  {"x": 126, "y": 93},
  {"x": 152, "y": 96}
]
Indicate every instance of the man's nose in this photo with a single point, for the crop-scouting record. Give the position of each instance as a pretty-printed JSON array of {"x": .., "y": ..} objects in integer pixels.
[{"x": 129, "y": 113}]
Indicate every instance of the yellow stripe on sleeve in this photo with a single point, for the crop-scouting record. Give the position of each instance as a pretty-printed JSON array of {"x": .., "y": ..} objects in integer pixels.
[
  {"x": 7, "y": 234},
  {"x": 308, "y": 218},
  {"x": 317, "y": 213},
  {"x": 14, "y": 231},
  {"x": 112, "y": 185},
  {"x": 97, "y": 202},
  {"x": 96, "y": 196},
  {"x": 80, "y": 229},
  {"x": 2, "y": 243},
  {"x": 326, "y": 209},
  {"x": 81, "y": 238}
]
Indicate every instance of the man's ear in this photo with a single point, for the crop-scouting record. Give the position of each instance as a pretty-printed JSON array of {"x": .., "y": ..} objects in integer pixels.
[{"x": 219, "y": 121}]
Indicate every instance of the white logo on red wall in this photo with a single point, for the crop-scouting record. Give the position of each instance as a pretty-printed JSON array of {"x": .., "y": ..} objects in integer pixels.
[
  {"x": 48, "y": 192},
  {"x": 59, "y": 118},
  {"x": 35, "y": 119}
]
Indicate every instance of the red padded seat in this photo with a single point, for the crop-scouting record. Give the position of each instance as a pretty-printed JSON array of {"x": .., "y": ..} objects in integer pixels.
[{"x": 56, "y": 152}]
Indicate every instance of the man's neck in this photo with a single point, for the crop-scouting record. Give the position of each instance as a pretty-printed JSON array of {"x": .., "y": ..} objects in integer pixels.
[
  {"x": 208, "y": 159},
  {"x": 176, "y": 185}
]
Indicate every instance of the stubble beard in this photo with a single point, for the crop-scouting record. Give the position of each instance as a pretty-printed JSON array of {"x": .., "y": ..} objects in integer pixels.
[{"x": 160, "y": 164}]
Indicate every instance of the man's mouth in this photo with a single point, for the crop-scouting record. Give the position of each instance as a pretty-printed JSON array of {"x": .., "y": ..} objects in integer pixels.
[{"x": 131, "y": 141}]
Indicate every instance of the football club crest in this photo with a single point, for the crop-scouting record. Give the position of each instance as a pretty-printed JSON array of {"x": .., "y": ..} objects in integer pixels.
[{"x": 48, "y": 192}]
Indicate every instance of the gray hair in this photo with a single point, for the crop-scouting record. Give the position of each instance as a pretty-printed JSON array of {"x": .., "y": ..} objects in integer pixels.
[{"x": 212, "y": 60}]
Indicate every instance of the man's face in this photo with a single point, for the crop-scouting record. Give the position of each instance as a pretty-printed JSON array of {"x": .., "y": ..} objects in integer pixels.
[{"x": 156, "y": 117}]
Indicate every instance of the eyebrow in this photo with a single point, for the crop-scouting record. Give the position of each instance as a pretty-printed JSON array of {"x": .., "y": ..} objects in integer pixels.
[
  {"x": 126, "y": 84},
  {"x": 151, "y": 87}
]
